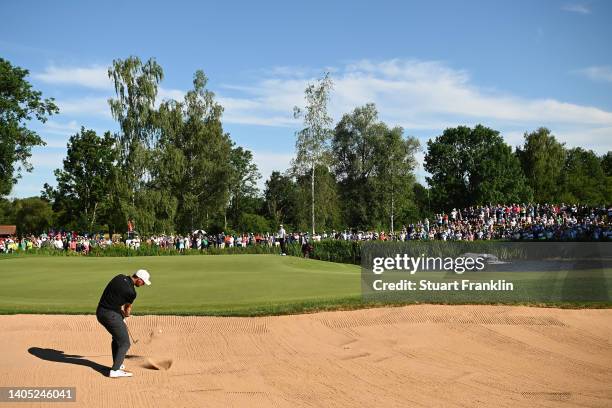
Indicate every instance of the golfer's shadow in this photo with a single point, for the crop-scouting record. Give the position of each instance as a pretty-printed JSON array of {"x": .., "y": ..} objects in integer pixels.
[{"x": 58, "y": 356}]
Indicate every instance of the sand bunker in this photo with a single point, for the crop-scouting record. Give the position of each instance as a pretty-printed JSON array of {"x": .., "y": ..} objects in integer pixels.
[
  {"x": 394, "y": 357},
  {"x": 158, "y": 364}
]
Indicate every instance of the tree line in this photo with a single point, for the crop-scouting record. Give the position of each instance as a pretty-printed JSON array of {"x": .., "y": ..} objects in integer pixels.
[
  {"x": 471, "y": 166},
  {"x": 172, "y": 168}
]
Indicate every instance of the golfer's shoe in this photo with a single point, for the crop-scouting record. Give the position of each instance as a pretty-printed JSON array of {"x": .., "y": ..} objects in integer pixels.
[{"x": 119, "y": 373}]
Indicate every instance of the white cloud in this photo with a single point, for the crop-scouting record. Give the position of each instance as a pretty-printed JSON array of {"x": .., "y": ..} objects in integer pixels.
[
  {"x": 95, "y": 77},
  {"x": 596, "y": 139},
  {"x": 419, "y": 171},
  {"x": 87, "y": 106},
  {"x": 424, "y": 97},
  {"x": 579, "y": 8},
  {"x": 597, "y": 73},
  {"x": 163, "y": 94},
  {"x": 56, "y": 134},
  {"x": 267, "y": 162},
  {"x": 421, "y": 96},
  {"x": 292, "y": 71},
  {"x": 516, "y": 138},
  {"x": 268, "y": 102},
  {"x": 417, "y": 92},
  {"x": 58, "y": 128},
  {"x": 48, "y": 159},
  {"x": 22, "y": 190},
  {"x": 97, "y": 106}
]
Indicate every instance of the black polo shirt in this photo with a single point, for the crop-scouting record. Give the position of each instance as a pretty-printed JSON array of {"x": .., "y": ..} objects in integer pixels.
[{"x": 119, "y": 291}]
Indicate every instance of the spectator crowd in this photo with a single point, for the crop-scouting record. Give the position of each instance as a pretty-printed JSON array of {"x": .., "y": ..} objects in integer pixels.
[{"x": 531, "y": 222}]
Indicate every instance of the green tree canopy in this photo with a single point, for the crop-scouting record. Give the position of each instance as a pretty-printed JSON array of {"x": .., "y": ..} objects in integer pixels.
[
  {"x": 312, "y": 144},
  {"x": 242, "y": 183},
  {"x": 327, "y": 201},
  {"x": 281, "y": 197},
  {"x": 583, "y": 179},
  {"x": 606, "y": 164},
  {"x": 357, "y": 136},
  {"x": 374, "y": 167},
  {"x": 542, "y": 159},
  {"x": 395, "y": 164},
  {"x": 19, "y": 104},
  {"x": 195, "y": 156},
  {"x": 7, "y": 211},
  {"x": 136, "y": 86},
  {"x": 33, "y": 215},
  {"x": 473, "y": 166},
  {"x": 253, "y": 223},
  {"x": 422, "y": 204},
  {"x": 82, "y": 196}
]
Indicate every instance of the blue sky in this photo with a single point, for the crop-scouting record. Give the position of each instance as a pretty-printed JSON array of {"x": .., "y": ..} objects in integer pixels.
[{"x": 513, "y": 65}]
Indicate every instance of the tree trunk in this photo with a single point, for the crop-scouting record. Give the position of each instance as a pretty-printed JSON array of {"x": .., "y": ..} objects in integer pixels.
[
  {"x": 312, "y": 207},
  {"x": 93, "y": 217},
  {"x": 392, "y": 210}
]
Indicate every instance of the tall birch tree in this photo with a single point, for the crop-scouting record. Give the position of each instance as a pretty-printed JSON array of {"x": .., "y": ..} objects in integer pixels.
[{"x": 312, "y": 144}]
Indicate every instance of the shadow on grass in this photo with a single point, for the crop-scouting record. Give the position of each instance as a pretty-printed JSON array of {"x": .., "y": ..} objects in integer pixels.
[{"x": 58, "y": 356}]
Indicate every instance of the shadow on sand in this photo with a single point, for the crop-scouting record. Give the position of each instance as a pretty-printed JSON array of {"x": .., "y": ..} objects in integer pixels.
[{"x": 58, "y": 356}]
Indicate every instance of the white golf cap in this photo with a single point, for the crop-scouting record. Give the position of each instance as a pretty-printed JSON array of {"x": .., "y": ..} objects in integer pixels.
[{"x": 144, "y": 275}]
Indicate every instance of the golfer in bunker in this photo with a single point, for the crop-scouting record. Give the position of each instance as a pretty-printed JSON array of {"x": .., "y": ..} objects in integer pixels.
[{"x": 115, "y": 305}]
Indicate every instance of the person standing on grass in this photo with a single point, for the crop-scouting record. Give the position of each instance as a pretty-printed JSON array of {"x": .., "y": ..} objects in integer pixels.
[
  {"x": 114, "y": 306},
  {"x": 282, "y": 237}
]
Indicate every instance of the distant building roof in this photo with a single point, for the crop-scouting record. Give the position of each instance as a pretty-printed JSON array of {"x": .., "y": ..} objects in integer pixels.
[{"x": 8, "y": 229}]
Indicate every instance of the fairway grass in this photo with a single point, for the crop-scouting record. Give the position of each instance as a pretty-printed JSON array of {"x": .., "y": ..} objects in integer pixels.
[
  {"x": 202, "y": 285},
  {"x": 228, "y": 285}
]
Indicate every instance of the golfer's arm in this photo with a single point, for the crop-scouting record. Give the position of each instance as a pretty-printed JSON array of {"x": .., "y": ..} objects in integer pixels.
[{"x": 127, "y": 310}]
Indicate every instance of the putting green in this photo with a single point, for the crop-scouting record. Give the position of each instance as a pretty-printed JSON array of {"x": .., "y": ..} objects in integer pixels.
[{"x": 224, "y": 285}]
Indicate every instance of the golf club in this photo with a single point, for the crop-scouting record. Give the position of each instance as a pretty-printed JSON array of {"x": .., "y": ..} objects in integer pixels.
[{"x": 130, "y": 333}]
